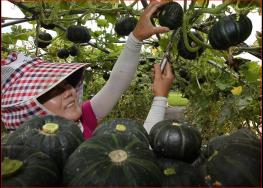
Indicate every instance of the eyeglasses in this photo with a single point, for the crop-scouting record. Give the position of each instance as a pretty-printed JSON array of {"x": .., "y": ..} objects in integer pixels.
[{"x": 57, "y": 90}]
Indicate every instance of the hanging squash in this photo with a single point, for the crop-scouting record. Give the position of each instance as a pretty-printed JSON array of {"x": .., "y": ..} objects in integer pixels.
[{"x": 230, "y": 31}]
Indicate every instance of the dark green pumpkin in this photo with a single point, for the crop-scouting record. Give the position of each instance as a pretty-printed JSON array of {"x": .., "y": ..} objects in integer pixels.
[
  {"x": 112, "y": 160},
  {"x": 49, "y": 26},
  {"x": 63, "y": 53},
  {"x": 229, "y": 31},
  {"x": 125, "y": 25},
  {"x": 74, "y": 51},
  {"x": 243, "y": 135},
  {"x": 45, "y": 40},
  {"x": 235, "y": 164},
  {"x": 25, "y": 166},
  {"x": 52, "y": 135},
  {"x": 171, "y": 15},
  {"x": 175, "y": 140},
  {"x": 78, "y": 34},
  {"x": 183, "y": 52},
  {"x": 123, "y": 126},
  {"x": 178, "y": 173}
]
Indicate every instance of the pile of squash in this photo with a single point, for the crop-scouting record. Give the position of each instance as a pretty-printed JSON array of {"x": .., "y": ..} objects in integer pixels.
[{"x": 51, "y": 151}]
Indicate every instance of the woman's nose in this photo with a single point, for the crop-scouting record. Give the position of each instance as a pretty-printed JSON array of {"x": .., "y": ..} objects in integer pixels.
[{"x": 68, "y": 92}]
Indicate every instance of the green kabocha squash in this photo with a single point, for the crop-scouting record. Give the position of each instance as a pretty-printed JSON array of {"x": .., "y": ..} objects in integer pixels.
[
  {"x": 182, "y": 50},
  {"x": 236, "y": 164},
  {"x": 52, "y": 135},
  {"x": 184, "y": 73},
  {"x": 178, "y": 173},
  {"x": 123, "y": 126},
  {"x": 49, "y": 26},
  {"x": 25, "y": 166},
  {"x": 230, "y": 31},
  {"x": 44, "y": 39},
  {"x": 63, "y": 53},
  {"x": 125, "y": 25},
  {"x": 74, "y": 51},
  {"x": 172, "y": 139},
  {"x": 112, "y": 160},
  {"x": 241, "y": 136},
  {"x": 171, "y": 15},
  {"x": 78, "y": 34}
]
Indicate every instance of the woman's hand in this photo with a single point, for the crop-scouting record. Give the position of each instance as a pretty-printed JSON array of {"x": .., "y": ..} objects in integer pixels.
[
  {"x": 144, "y": 28},
  {"x": 162, "y": 81}
]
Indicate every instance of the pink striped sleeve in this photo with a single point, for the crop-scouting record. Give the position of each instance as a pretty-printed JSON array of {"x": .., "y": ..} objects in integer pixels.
[{"x": 88, "y": 120}]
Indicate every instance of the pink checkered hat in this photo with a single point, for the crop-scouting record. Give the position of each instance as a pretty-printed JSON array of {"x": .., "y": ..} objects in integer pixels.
[{"x": 24, "y": 79}]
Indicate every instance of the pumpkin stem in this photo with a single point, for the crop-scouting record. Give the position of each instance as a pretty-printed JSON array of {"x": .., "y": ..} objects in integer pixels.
[
  {"x": 120, "y": 127},
  {"x": 213, "y": 155},
  {"x": 118, "y": 156},
  {"x": 176, "y": 124},
  {"x": 50, "y": 128},
  {"x": 169, "y": 171},
  {"x": 10, "y": 167}
]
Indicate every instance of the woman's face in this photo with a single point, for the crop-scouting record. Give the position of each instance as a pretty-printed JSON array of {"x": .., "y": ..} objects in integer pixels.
[{"x": 62, "y": 101}]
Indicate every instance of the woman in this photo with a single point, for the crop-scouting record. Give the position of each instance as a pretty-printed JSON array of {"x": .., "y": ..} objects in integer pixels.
[{"x": 32, "y": 87}]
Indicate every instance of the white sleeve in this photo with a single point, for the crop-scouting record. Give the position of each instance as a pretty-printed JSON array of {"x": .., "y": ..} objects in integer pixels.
[
  {"x": 156, "y": 112},
  {"x": 121, "y": 76}
]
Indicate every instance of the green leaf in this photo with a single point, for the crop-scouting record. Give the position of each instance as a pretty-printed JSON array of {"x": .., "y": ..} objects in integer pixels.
[
  {"x": 243, "y": 102},
  {"x": 224, "y": 82},
  {"x": 163, "y": 42},
  {"x": 102, "y": 23},
  {"x": 224, "y": 114},
  {"x": 253, "y": 72}
]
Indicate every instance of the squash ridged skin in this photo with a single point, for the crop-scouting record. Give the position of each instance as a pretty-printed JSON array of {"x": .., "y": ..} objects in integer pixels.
[
  {"x": 125, "y": 26},
  {"x": 236, "y": 164},
  {"x": 38, "y": 168},
  {"x": 185, "y": 174},
  {"x": 63, "y": 53},
  {"x": 244, "y": 135},
  {"x": 78, "y": 34},
  {"x": 228, "y": 32},
  {"x": 133, "y": 128},
  {"x": 180, "y": 141},
  {"x": 49, "y": 26},
  {"x": 183, "y": 52},
  {"x": 74, "y": 50},
  {"x": 58, "y": 145},
  {"x": 90, "y": 164},
  {"x": 45, "y": 37},
  {"x": 171, "y": 15}
]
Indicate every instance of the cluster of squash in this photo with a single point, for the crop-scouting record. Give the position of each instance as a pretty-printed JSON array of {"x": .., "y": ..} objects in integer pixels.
[
  {"x": 64, "y": 52},
  {"x": 35, "y": 153},
  {"x": 74, "y": 33},
  {"x": 51, "y": 151},
  {"x": 229, "y": 30}
]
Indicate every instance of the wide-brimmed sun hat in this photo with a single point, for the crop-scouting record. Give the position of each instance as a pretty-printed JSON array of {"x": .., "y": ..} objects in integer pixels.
[{"x": 24, "y": 79}]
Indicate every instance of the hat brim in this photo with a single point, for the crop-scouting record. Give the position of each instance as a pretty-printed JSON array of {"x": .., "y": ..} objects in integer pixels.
[{"x": 36, "y": 79}]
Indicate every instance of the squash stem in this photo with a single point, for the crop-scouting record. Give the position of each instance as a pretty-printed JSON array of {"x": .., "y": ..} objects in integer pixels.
[
  {"x": 10, "y": 166},
  {"x": 50, "y": 128},
  {"x": 198, "y": 41},
  {"x": 216, "y": 10},
  {"x": 185, "y": 37}
]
